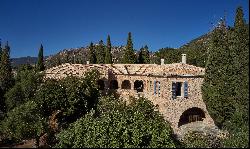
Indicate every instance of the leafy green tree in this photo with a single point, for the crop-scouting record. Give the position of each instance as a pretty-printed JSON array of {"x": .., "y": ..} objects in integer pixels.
[
  {"x": 116, "y": 125},
  {"x": 23, "y": 122},
  {"x": 100, "y": 53},
  {"x": 170, "y": 55},
  {"x": 108, "y": 55},
  {"x": 92, "y": 55},
  {"x": 143, "y": 57},
  {"x": 40, "y": 63},
  {"x": 129, "y": 56},
  {"x": 73, "y": 96},
  {"x": 27, "y": 80}
]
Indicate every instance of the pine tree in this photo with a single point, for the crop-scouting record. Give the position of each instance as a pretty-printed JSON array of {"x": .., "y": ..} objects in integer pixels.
[
  {"x": 6, "y": 77},
  {"x": 143, "y": 57},
  {"x": 100, "y": 53},
  {"x": 92, "y": 55},
  {"x": 40, "y": 64},
  {"x": 108, "y": 55},
  {"x": 129, "y": 56}
]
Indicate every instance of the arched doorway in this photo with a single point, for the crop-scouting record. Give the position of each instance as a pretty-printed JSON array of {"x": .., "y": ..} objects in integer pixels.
[
  {"x": 138, "y": 85},
  {"x": 191, "y": 115},
  {"x": 100, "y": 84},
  {"x": 113, "y": 84},
  {"x": 126, "y": 84}
]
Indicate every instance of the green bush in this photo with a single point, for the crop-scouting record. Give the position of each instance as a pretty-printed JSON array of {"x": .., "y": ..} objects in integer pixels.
[
  {"x": 73, "y": 96},
  {"x": 23, "y": 122},
  {"x": 114, "y": 124}
]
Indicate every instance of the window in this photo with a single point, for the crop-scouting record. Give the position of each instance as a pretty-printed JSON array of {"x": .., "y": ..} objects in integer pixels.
[
  {"x": 113, "y": 84},
  {"x": 126, "y": 84},
  {"x": 180, "y": 89},
  {"x": 138, "y": 85}
]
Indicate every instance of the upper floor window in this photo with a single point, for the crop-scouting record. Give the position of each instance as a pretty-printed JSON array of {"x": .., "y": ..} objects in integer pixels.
[{"x": 179, "y": 89}]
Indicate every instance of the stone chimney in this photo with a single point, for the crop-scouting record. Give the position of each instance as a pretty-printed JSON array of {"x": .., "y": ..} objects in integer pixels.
[
  {"x": 162, "y": 61},
  {"x": 183, "y": 58},
  {"x": 87, "y": 62}
]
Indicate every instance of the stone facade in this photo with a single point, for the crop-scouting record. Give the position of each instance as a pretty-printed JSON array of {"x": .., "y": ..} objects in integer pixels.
[{"x": 154, "y": 82}]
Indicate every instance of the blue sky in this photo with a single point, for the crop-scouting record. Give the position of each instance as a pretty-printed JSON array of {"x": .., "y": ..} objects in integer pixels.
[{"x": 60, "y": 24}]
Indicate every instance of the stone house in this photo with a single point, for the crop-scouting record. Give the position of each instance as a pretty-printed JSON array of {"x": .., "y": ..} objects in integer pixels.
[{"x": 174, "y": 88}]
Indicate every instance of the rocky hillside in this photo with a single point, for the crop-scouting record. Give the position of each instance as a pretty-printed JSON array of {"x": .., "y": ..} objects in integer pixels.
[
  {"x": 80, "y": 55},
  {"x": 196, "y": 51}
]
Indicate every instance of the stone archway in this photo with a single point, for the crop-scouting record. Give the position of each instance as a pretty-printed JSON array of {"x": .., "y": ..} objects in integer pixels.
[
  {"x": 138, "y": 85},
  {"x": 113, "y": 84},
  {"x": 191, "y": 115},
  {"x": 101, "y": 84},
  {"x": 126, "y": 84}
]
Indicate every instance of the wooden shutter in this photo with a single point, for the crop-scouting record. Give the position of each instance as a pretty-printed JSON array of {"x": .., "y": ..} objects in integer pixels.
[
  {"x": 159, "y": 88},
  {"x": 174, "y": 90},
  {"x": 186, "y": 89},
  {"x": 154, "y": 87}
]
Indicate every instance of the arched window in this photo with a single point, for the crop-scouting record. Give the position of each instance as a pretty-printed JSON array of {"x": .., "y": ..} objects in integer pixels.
[
  {"x": 138, "y": 85},
  {"x": 191, "y": 115},
  {"x": 100, "y": 84},
  {"x": 113, "y": 84},
  {"x": 126, "y": 84}
]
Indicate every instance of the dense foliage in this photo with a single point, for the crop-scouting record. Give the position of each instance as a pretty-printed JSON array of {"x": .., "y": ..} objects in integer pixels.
[
  {"x": 23, "y": 122},
  {"x": 73, "y": 96},
  {"x": 116, "y": 125},
  {"x": 226, "y": 86},
  {"x": 27, "y": 81}
]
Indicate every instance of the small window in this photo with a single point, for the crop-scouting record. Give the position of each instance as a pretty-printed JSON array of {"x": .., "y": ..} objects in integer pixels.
[
  {"x": 126, "y": 84},
  {"x": 178, "y": 88},
  {"x": 113, "y": 84}
]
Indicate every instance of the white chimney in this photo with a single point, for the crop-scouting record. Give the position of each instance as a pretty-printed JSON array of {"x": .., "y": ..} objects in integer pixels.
[
  {"x": 183, "y": 58},
  {"x": 162, "y": 61},
  {"x": 87, "y": 62}
]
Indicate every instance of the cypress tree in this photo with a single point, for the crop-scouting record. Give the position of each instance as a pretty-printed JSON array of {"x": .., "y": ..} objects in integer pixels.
[
  {"x": 40, "y": 64},
  {"x": 108, "y": 55},
  {"x": 129, "y": 56},
  {"x": 143, "y": 57},
  {"x": 239, "y": 49},
  {"x": 6, "y": 77},
  {"x": 217, "y": 90},
  {"x": 92, "y": 55},
  {"x": 100, "y": 53}
]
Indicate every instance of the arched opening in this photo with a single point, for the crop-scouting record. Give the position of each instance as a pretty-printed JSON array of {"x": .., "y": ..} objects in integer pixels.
[
  {"x": 113, "y": 84},
  {"x": 100, "y": 84},
  {"x": 126, "y": 84},
  {"x": 191, "y": 115},
  {"x": 138, "y": 85}
]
